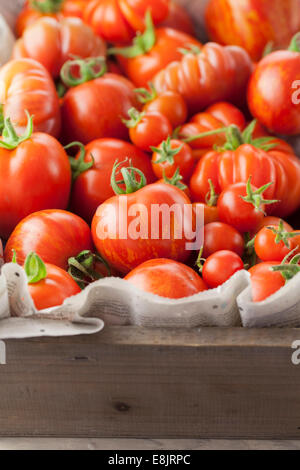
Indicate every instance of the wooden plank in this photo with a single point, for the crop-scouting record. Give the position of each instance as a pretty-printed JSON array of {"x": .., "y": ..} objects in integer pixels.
[{"x": 133, "y": 382}]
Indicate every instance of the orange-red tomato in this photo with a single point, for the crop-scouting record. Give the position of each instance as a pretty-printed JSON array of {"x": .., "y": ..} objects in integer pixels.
[
  {"x": 52, "y": 43},
  {"x": 269, "y": 248},
  {"x": 166, "y": 278},
  {"x": 264, "y": 281},
  {"x": 220, "y": 266},
  {"x": 54, "y": 235},
  {"x": 25, "y": 85},
  {"x": 150, "y": 130},
  {"x": 271, "y": 220},
  {"x": 171, "y": 155},
  {"x": 253, "y": 24},
  {"x": 211, "y": 213},
  {"x": 170, "y": 104},
  {"x": 178, "y": 18}
]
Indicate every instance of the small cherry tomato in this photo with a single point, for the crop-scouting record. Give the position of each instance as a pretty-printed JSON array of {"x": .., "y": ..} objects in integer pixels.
[
  {"x": 274, "y": 243},
  {"x": 220, "y": 266},
  {"x": 272, "y": 220},
  {"x": 219, "y": 236},
  {"x": 170, "y": 155},
  {"x": 264, "y": 281}
]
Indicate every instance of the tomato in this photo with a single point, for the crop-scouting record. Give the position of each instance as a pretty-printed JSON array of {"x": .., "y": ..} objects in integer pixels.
[
  {"x": 264, "y": 281},
  {"x": 152, "y": 52},
  {"x": 147, "y": 130},
  {"x": 93, "y": 168},
  {"x": 119, "y": 20},
  {"x": 52, "y": 43},
  {"x": 34, "y": 174},
  {"x": 127, "y": 231},
  {"x": 219, "y": 236},
  {"x": 274, "y": 243},
  {"x": 25, "y": 85},
  {"x": 211, "y": 213},
  {"x": 214, "y": 74},
  {"x": 282, "y": 69},
  {"x": 54, "y": 235},
  {"x": 88, "y": 267},
  {"x": 59, "y": 9},
  {"x": 1, "y": 253},
  {"x": 179, "y": 19},
  {"x": 176, "y": 180},
  {"x": 94, "y": 109},
  {"x": 166, "y": 278},
  {"x": 170, "y": 155},
  {"x": 271, "y": 220},
  {"x": 219, "y": 267}
]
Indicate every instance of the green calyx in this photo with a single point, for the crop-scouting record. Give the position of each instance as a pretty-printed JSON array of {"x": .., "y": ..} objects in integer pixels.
[
  {"x": 10, "y": 139},
  {"x": 82, "y": 268},
  {"x": 189, "y": 49},
  {"x": 135, "y": 118},
  {"x": 288, "y": 269},
  {"x": 295, "y": 43},
  {"x": 142, "y": 43},
  {"x": 166, "y": 152},
  {"x": 235, "y": 138},
  {"x": 89, "y": 69},
  {"x": 211, "y": 197},
  {"x": 79, "y": 165},
  {"x": 128, "y": 178},
  {"x": 282, "y": 235},
  {"x": 35, "y": 268},
  {"x": 146, "y": 96},
  {"x": 176, "y": 180},
  {"x": 46, "y": 6},
  {"x": 256, "y": 197}
]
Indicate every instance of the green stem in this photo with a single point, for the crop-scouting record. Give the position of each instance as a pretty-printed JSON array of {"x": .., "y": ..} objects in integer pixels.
[
  {"x": 10, "y": 139},
  {"x": 82, "y": 268},
  {"x": 295, "y": 43},
  {"x": 46, "y": 6},
  {"x": 211, "y": 197},
  {"x": 175, "y": 180},
  {"x": 256, "y": 197},
  {"x": 129, "y": 179},
  {"x": 146, "y": 96},
  {"x": 35, "y": 268},
  {"x": 79, "y": 165},
  {"x": 89, "y": 69}
]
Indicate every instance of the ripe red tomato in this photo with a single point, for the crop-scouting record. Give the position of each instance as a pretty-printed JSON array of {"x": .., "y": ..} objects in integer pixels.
[
  {"x": 219, "y": 236},
  {"x": 253, "y": 24},
  {"x": 214, "y": 74},
  {"x": 94, "y": 109},
  {"x": 166, "y": 278},
  {"x": 264, "y": 281},
  {"x": 119, "y": 20},
  {"x": 35, "y": 174},
  {"x": 170, "y": 155},
  {"x": 271, "y": 220},
  {"x": 92, "y": 186},
  {"x": 274, "y": 243},
  {"x": 220, "y": 266},
  {"x": 179, "y": 19},
  {"x": 52, "y": 43},
  {"x": 147, "y": 130},
  {"x": 25, "y": 85},
  {"x": 54, "y": 235},
  {"x": 211, "y": 213},
  {"x": 282, "y": 69}
]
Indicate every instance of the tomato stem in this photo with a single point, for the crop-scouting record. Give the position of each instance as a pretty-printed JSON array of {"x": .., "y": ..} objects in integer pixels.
[
  {"x": 129, "y": 179},
  {"x": 46, "y": 6},
  {"x": 166, "y": 152},
  {"x": 35, "y": 268},
  {"x": 146, "y": 96},
  {"x": 211, "y": 197},
  {"x": 79, "y": 165},
  {"x": 135, "y": 118},
  {"x": 176, "y": 180},
  {"x": 81, "y": 268},
  {"x": 255, "y": 197},
  {"x": 10, "y": 139},
  {"x": 288, "y": 270},
  {"x": 295, "y": 43},
  {"x": 89, "y": 69},
  {"x": 190, "y": 49},
  {"x": 283, "y": 235}
]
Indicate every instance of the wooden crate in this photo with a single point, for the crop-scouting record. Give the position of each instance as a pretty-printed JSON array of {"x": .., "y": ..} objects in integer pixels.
[{"x": 133, "y": 382}]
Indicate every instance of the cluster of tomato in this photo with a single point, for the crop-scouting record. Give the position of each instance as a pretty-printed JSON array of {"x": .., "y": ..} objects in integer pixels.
[{"x": 156, "y": 118}]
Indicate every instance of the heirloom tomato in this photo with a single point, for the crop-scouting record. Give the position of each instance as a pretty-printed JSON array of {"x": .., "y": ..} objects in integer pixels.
[
  {"x": 166, "y": 278},
  {"x": 25, "y": 85},
  {"x": 54, "y": 235},
  {"x": 35, "y": 174},
  {"x": 96, "y": 102},
  {"x": 274, "y": 90},
  {"x": 219, "y": 267},
  {"x": 52, "y": 43},
  {"x": 92, "y": 171},
  {"x": 170, "y": 155}
]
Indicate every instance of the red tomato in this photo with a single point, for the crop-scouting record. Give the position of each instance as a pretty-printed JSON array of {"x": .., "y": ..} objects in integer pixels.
[
  {"x": 147, "y": 130},
  {"x": 95, "y": 109},
  {"x": 25, "y": 85},
  {"x": 119, "y": 20},
  {"x": 211, "y": 213},
  {"x": 264, "y": 281},
  {"x": 166, "y": 278},
  {"x": 282, "y": 69},
  {"x": 92, "y": 186},
  {"x": 1, "y": 253},
  {"x": 170, "y": 155},
  {"x": 179, "y": 19},
  {"x": 219, "y": 236},
  {"x": 215, "y": 74},
  {"x": 54, "y": 235},
  {"x": 34, "y": 174},
  {"x": 170, "y": 104},
  {"x": 52, "y": 43},
  {"x": 253, "y": 24},
  {"x": 220, "y": 266},
  {"x": 127, "y": 232},
  {"x": 274, "y": 243}
]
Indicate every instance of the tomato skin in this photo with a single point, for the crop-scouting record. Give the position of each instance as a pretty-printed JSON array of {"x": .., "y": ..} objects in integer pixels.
[
  {"x": 183, "y": 160},
  {"x": 215, "y": 74},
  {"x": 166, "y": 278},
  {"x": 252, "y": 24},
  {"x": 179, "y": 19},
  {"x": 34, "y": 176},
  {"x": 1, "y": 253},
  {"x": 150, "y": 131},
  {"x": 93, "y": 187},
  {"x": 54, "y": 289},
  {"x": 120, "y": 249},
  {"x": 171, "y": 105},
  {"x": 275, "y": 221},
  {"x": 219, "y": 236},
  {"x": 282, "y": 69},
  {"x": 219, "y": 267},
  {"x": 52, "y": 43},
  {"x": 54, "y": 235},
  {"x": 26, "y": 85},
  {"x": 267, "y": 249},
  {"x": 95, "y": 109},
  {"x": 142, "y": 69},
  {"x": 264, "y": 281},
  {"x": 211, "y": 213}
]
